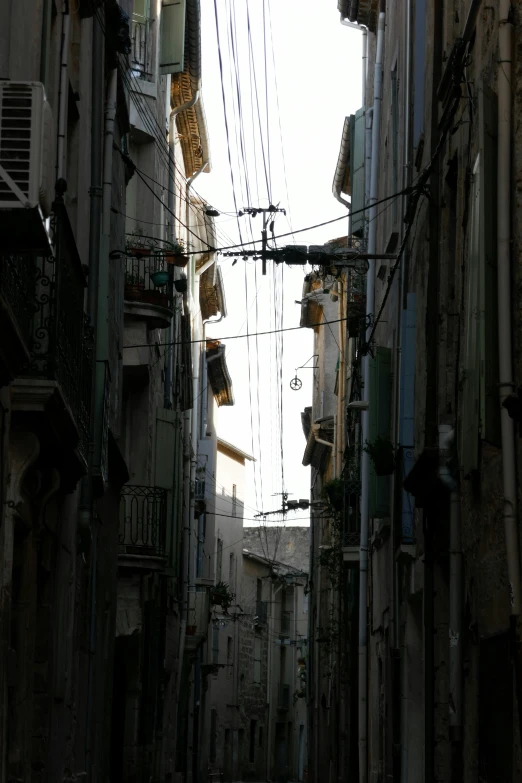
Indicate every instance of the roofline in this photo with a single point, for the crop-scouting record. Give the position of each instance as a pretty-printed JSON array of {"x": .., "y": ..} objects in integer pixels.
[
  {"x": 268, "y": 562},
  {"x": 231, "y": 447}
]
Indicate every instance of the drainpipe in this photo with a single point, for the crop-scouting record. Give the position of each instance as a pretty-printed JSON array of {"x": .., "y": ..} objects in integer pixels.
[
  {"x": 505, "y": 44},
  {"x": 62, "y": 94},
  {"x": 365, "y": 459},
  {"x": 86, "y": 519},
  {"x": 506, "y": 385},
  {"x": 446, "y": 436}
]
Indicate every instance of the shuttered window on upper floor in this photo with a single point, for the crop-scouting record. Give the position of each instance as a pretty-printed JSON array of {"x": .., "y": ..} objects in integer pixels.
[
  {"x": 357, "y": 172},
  {"x": 172, "y": 37},
  {"x": 480, "y": 411}
]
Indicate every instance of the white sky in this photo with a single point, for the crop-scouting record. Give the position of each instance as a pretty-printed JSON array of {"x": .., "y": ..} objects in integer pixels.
[{"x": 318, "y": 68}]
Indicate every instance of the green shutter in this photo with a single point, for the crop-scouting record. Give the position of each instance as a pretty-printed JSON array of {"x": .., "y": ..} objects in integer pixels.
[
  {"x": 172, "y": 37},
  {"x": 357, "y": 171},
  {"x": 480, "y": 414},
  {"x": 380, "y": 425}
]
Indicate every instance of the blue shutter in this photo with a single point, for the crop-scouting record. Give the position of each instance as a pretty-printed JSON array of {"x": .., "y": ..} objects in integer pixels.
[
  {"x": 380, "y": 421},
  {"x": 172, "y": 37},
  {"x": 357, "y": 171},
  {"x": 407, "y": 411}
]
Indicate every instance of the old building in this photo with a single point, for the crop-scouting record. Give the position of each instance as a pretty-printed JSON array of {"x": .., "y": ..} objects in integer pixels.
[{"x": 429, "y": 165}]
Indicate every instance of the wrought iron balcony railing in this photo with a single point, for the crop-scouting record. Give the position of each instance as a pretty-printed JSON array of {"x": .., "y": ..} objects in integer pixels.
[
  {"x": 143, "y": 516},
  {"x": 17, "y": 276},
  {"x": 139, "y": 271},
  {"x": 46, "y": 296},
  {"x": 140, "y": 53}
]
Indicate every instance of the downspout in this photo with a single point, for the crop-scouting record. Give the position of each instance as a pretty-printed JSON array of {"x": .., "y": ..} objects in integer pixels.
[
  {"x": 456, "y": 597},
  {"x": 365, "y": 459},
  {"x": 506, "y": 383},
  {"x": 505, "y": 45},
  {"x": 62, "y": 94},
  {"x": 86, "y": 518}
]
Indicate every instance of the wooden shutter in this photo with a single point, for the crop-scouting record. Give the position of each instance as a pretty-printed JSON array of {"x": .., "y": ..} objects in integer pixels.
[
  {"x": 357, "y": 171},
  {"x": 488, "y": 334},
  {"x": 380, "y": 420},
  {"x": 480, "y": 415},
  {"x": 164, "y": 473},
  {"x": 172, "y": 37}
]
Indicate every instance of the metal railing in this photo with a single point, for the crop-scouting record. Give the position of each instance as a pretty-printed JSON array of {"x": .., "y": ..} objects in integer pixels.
[
  {"x": 351, "y": 539},
  {"x": 140, "y": 53},
  {"x": 60, "y": 340},
  {"x": 143, "y": 515},
  {"x": 17, "y": 277},
  {"x": 138, "y": 278}
]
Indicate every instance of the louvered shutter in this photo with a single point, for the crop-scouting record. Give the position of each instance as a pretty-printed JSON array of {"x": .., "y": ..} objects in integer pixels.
[
  {"x": 407, "y": 412},
  {"x": 380, "y": 420},
  {"x": 166, "y": 444},
  {"x": 172, "y": 37},
  {"x": 357, "y": 172}
]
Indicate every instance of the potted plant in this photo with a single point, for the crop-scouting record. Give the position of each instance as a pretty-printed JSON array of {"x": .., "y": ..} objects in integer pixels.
[
  {"x": 134, "y": 285},
  {"x": 382, "y": 454},
  {"x": 221, "y": 595},
  {"x": 333, "y": 493},
  {"x": 135, "y": 245},
  {"x": 176, "y": 254}
]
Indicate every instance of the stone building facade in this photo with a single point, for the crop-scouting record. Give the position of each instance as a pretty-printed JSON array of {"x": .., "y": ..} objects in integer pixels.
[{"x": 430, "y": 652}]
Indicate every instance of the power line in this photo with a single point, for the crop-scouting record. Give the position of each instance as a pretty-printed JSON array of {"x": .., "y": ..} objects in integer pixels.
[{"x": 240, "y": 336}]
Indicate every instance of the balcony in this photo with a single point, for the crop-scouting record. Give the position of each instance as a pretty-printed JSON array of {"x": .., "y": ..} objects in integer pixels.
[
  {"x": 46, "y": 296},
  {"x": 140, "y": 53},
  {"x": 283, "y": 701},
  {"x": 17, "y": 276},
  {"x": 142, "y": 526},
  {"x": 143, "y": 299}
]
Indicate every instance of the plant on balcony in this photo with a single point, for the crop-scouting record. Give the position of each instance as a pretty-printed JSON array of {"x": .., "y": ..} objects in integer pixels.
[
  {"x": 135, "y": 244},
  {"x": 382, "y": 454},
  {"x": 155, "y": 297},
  {"x": 222, "y": 596},
  {"x": 333, "y": 493},
  {"x": 134, "y": 285},
  {"x": 176, "y": 254}
]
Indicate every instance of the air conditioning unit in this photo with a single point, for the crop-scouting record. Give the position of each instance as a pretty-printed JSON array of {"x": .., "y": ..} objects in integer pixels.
[{"x": 27, "y": 158}]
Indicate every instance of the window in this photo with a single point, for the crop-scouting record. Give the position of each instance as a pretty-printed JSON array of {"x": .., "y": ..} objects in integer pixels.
[
  {"x": 259, "y": 589},
  {"x": 234, "y": 500},
  {"x": 215, "y": 644},
  {"x": 213, "y": 732},
  {"x": 305, "y": 603},
  {"x": 219, "y": 559},
  {"x": 257, "y": 660},
  {"x": 140, "y": 52},
  {"x": 252, "y": 752}
]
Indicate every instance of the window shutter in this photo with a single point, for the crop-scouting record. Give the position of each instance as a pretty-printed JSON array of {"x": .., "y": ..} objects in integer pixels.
[
  {"x": 480, "y": 406},
  {"x": 489, "y": 399},
  {"x": 172, "y": 37},
  {"x": 164, "y": 472},
  {"x": 357, "y": 172},
  {"x": 380, "y": 419}
]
